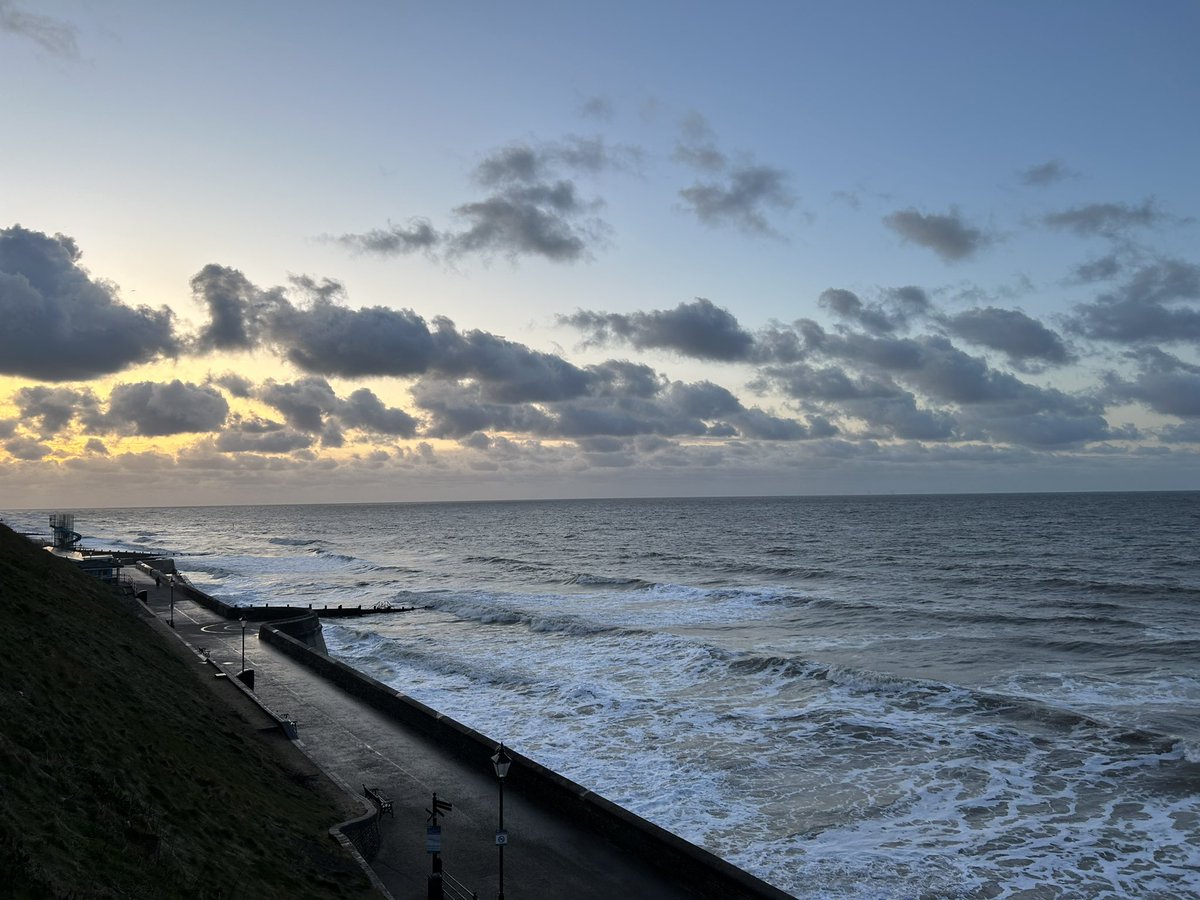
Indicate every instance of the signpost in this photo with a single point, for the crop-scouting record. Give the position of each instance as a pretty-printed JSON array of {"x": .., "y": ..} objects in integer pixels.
[{"x": 433, "y": 846}]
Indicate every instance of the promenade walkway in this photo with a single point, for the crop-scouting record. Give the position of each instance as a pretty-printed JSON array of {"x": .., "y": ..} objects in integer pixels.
[{"x": 548, "y": 855}]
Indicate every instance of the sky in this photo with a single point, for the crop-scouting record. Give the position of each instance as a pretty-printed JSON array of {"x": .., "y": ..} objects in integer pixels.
[{"x": 390, "y": 251}]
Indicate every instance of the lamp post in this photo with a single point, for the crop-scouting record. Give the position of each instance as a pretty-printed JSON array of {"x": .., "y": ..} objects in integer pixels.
[
  {"x": 243, "y": 643},
  {"x": 171, "y": 581},
  {"x": 501, "y": 761}
]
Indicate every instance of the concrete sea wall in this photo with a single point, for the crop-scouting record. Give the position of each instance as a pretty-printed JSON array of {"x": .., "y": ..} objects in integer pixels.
[{"x": 689, "y": 864}]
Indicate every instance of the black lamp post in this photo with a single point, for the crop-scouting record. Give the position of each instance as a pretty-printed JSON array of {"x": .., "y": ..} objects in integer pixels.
[
  {"x": 243, "y": 643},
  {"x": 171, "y": 581},
  {"x": 501, "y": 761}
]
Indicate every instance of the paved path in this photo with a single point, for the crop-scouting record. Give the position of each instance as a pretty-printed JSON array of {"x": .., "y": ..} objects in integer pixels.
[{"x": 548, "y": 856}]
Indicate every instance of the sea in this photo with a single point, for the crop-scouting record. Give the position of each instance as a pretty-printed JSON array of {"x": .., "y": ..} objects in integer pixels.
[{"x": 850, "y": 697}]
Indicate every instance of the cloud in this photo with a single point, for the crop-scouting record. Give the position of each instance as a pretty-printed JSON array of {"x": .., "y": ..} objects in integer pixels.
[
  {"x": 949, "y": 236},
  {"x": 455, "y": 411},
  {"x": 1110, "y": 220},
  {"x": 259, "y": 436},
  {"x": 1166, "y": 384},
  {"x": 899, "y": 307},
  {"x": 395, "y": 240},
  {"x": 741, "y": 200},
  {"x": 1047, "y": 173},
  {"x": 540, "y": 220},
  {"x": 322, "y": 337},
  {"x": 304, "y": 403},
  {"x": 27, "y": 448},
  {"x": 979, "y": 401},
  {"x": 62, "y": 325},
  {"x": 157, "y": 409},
  {"x": 52, "y": 409},
  {"x": 237, "y": 385},
  {"x": 1020, "y": 337},
  {"x": 738, "y": 194},
  {"x": 697, "y": 329},
  {"x": 363, "y": 410},
  {"x": 54, "y": 35},
  {"x": 1103, "y": 268},
  {"x": 235, "y": 308},
  {"x": 95, "y": 446},
  {"x": 533, "y": 208},
  {"x": 1156, "y": 303},
  {"x": 310, "y": 405},
  {"x": 327, "y": 338}
]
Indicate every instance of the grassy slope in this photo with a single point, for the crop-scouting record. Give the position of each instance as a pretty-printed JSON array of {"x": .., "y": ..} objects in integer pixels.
[{"x": 122, "y": 775}]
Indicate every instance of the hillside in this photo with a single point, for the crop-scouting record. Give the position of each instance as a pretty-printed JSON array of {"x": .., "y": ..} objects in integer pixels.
[{"x": 122, "y": 774}]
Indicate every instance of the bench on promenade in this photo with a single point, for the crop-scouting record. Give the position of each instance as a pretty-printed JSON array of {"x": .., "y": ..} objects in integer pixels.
[{"x": 381, "y": 800}]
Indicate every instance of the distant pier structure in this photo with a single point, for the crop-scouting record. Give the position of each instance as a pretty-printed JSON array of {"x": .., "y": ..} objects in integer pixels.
[{"x": 62, "y": 530}]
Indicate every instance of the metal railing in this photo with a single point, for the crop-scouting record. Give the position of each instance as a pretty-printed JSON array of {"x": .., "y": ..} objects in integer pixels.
[{"x": 452, "y": 887}]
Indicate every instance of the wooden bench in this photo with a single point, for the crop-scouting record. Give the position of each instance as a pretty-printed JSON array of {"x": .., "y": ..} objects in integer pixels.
[{"x": 381, "y": 800}]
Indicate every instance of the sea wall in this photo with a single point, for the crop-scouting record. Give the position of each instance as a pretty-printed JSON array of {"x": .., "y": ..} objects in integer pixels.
[{"x": 688, "y": 863}]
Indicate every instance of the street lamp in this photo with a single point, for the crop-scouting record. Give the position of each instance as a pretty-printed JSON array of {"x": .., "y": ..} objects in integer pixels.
[
  {"x": 243, "y": 643},
  {"x": 501, "y": 761},
  {"x": 171, "y": 581}
]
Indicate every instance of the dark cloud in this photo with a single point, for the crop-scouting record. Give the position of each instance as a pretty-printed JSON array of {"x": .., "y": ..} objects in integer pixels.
[
  {"x": 237, "y": 385},
  {"x": 1023, "y": 339},
  {"x": 949, "y": 236},
  {"x": 258, "y": 436},
  {"x": 27, "y": 448},
  {"x": 1156, "y": 303},
  {"x": 235, "y": 309},
  {"x": 365, "y": 411},
  {"x": 54, "y": 35},
  {"x": 698, "y": 329},
  {"x": 304, "y": 403},
  {"x": 52, "y": 409},
  {"x": 1110, "y": 220},
  {"x": 62, "y": 325},
  {"x": 741, "y": 199},
  {"x": 1166, "y": 384},
  {"x": 621, "y": 378},
  {"x": 533, "y": 208},
  {"x": 96, "y": 446},
  {"x": 395, "y": 240},
  {"x": 455, "y": 411},
  {"x": 8, "y": 427},
  {"x": 310, "y": 405},
  {"x": 1046, "y": 173},
  {"x": 327, "y": 338},
  {"x": 737, "y": 194},
  {"x": 894, "y": 372},
  {"x": 540, "y": 220},
  {"x": 508, "y": 372},
  {"x": 323, "y": 337},
  {"x": 899, "y": 306},
  {"x": 156, "y": 409},
  {"x": 888, "y": 409},
  {"x": 1104, "y": 268}
]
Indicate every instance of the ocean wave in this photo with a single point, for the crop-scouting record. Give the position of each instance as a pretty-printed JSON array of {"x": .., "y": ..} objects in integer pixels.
[
  {"x": 293, "y": 542},
  {"x": 608, "y": 581},
  {"x": 487, "y": 611}
]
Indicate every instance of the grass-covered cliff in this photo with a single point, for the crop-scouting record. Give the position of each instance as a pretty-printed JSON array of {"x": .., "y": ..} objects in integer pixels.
[{"x": 123, "y": 775}]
